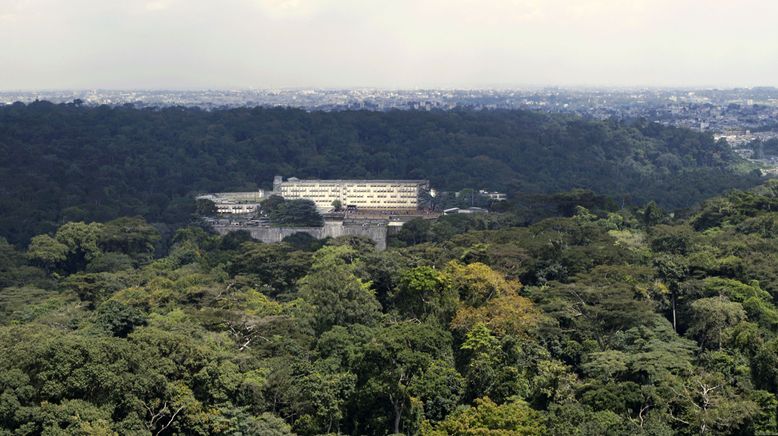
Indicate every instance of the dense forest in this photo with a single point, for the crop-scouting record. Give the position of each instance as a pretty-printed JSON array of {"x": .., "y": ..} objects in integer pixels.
[
  {"x": 69, "y": 162},
  {"x": 596, "y": 320},
  {"x": 764, "y": 149}
]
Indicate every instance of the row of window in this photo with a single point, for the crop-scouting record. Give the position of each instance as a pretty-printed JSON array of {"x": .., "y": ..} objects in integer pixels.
[
  {"x": 380, "y": 202},
  {"x": 313, "y": 196},
  {"x": 363, "y": 191},
  {"x": 380, "y": 186},
  {"x": 333, "y": 197},
  {"x": 411, "y": 189},
  {"x": 347, "y": 185}
]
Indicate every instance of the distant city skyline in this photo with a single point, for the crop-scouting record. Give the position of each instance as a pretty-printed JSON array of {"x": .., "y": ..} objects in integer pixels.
[{"x": 397, "y": 44}]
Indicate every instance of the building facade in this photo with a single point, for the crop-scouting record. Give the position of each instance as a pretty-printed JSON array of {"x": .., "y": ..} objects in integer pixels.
[
  {"x": 362, "y": 194},
  {"x": 493, "y": 195},
  {"x": 236, "y": 208}
]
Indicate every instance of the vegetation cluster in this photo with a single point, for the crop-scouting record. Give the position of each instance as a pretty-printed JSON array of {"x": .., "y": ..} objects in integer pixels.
[
  {"x": 69, "y": 162},
  {"x": 592, "y": 320},
  {"x": 298, "y": 212}
]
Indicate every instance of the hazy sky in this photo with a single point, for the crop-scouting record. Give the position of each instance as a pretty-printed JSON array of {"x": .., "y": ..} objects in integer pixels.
[{"x": 386, "y": 43}]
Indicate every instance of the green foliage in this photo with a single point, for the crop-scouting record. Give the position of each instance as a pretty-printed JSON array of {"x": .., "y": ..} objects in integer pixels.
[
  {"x": 14, "y": 268},
  {"x": 338, "y": 296},
  {"x": 709, "y": 316},
  {"x": 765, "y": 363},
  {"x": 650, "y": 352},
  {"x": 652, "y": 215},
  {"x": 79, "y": 163},
  {"x": 672, "y": 239},
  {"x": 440, "y": 388},
  {"x": 109, "y": 262},
  {"x": 486, "y": 417},
  {"x": 275, "y": 267},
  {"x": 709, "y": 405},
  {"x": 587, "y": 323},
  {"x": 81, "y": 240},
  {"x": 303, "y": 241},
  {"x": 205, "y": 207},
  {"x": 422, "y": 293},
  {"x": 393, "y": 361},
  {"x": 415, "y": 231},
  {"x": 95, "y": 287},
  {"x": 118, "y": 319},
  {"x": 130, "y": 236},
  {"x": 292, "y": 213},
  {"x": 14, "y": 300},
  {"x": 581, "y": 420},
  {"x": 113, "y": 246},
  {"x": 47, "y": 251}
]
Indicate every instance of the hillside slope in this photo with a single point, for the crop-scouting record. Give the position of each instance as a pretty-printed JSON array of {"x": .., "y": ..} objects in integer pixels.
[{"x": 66, "y": 162}]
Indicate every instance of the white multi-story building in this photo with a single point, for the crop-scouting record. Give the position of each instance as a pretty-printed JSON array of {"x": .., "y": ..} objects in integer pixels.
[
  {"x": 236, "y": 208},
  {"x": 362, "y": 194},
  {"x": 493, "y": 195}
]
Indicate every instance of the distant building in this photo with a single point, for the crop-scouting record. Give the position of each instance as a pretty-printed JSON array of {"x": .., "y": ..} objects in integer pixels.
[
  {"x": 379, "y": 195},
  {"x": 236, "y": 202},
  {"x": 469, "y": 210},
  {"x": 354, "y": 194},
  {"x": 494, "y": 195},
  {"x": 745, "y": 153},
  {"x": 237, "y": 197},
  {"x": 239, "y": 208}
]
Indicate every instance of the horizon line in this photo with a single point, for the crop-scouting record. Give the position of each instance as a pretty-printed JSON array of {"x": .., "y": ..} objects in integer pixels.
[{"x": 388, "y": 88}]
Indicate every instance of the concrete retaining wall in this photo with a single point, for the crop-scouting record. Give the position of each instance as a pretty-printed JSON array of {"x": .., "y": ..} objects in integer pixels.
[{"x": 332, "y": 229}]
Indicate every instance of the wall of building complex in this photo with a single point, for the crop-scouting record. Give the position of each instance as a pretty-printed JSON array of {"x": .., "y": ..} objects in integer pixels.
[
  {"x": 376, "y": 232},
  {"x": 236, "y": 208},
  {"x": 237, "y": 197},
  {"x": 364, "y": 194}
]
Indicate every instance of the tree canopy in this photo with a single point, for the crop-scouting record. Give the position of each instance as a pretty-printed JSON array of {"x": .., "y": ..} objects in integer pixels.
[
  {"x": 590, "y": 322},
  {"x": 65, "y": 162}
]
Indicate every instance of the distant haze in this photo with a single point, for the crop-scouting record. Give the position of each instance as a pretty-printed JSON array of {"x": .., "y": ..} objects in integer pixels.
[{"x": 177, "y": 44}]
